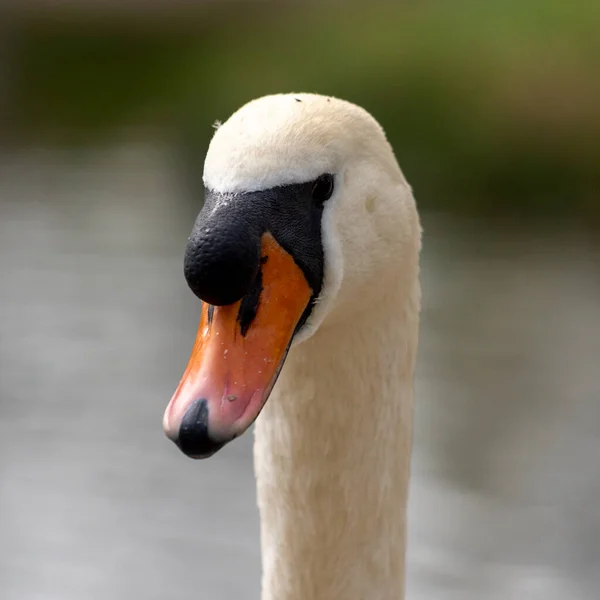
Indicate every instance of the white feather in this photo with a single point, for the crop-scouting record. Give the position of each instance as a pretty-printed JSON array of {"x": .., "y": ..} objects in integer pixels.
[{"x": 332, "y": 448}]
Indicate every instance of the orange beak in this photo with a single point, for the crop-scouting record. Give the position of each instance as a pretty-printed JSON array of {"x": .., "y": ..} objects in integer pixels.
[{"x": 234, "y": 364}]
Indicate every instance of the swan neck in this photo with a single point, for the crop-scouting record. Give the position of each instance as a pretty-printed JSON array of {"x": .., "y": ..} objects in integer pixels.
[{"x": 332, "y": 456}]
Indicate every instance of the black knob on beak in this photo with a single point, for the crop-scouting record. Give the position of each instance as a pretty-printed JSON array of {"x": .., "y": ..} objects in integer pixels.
[{"x": 222, "y": 257}]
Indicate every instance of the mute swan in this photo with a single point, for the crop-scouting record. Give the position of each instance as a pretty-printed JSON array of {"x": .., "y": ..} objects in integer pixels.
[{"x": 309, "y": 240}]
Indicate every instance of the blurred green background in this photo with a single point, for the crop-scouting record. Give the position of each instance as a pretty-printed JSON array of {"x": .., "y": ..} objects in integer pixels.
[
  {"x": 106, "y": 110},
  {"x": 493, "y": 107}
]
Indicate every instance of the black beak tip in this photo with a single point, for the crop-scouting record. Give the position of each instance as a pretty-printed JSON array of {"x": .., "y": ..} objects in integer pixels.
[
  {"x": 198, "y": 453},
  {"x": 194, "y": 438}
]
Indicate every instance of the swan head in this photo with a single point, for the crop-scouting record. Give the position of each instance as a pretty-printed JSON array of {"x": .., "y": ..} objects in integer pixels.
[{"x": 307, "y": 221}]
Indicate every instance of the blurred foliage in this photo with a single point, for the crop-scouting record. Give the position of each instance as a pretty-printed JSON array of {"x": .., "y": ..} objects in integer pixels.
[{"x": 492, "y": 107}]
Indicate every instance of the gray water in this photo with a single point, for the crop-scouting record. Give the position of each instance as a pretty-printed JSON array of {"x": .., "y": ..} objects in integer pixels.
[{"x": 96, "y": 324}]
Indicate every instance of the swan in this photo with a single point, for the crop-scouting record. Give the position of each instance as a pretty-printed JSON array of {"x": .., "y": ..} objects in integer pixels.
[{"x": 305, "y": 255}]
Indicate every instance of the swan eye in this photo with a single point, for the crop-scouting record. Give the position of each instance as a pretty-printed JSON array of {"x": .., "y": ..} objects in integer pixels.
[{"x": 323, "y": 188}]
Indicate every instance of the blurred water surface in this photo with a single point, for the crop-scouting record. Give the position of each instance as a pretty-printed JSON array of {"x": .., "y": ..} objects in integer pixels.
[{"x": 96, "y": 324}]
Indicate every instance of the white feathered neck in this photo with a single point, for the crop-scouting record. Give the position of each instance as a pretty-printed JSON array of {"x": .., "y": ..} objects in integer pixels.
[
  {"x": 332, "y": 455},
  {"x": 332, "y": 446}
]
